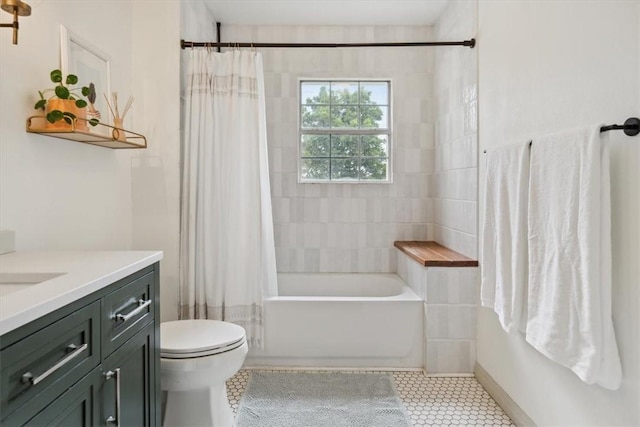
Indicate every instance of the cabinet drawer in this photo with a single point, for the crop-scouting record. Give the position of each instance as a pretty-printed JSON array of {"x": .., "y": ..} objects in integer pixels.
[
  {"x": 126, "y": 311},
  {"x": 41, "y": 366}
]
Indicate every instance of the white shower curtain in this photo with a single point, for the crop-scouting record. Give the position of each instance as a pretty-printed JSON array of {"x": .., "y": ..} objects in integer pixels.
[{"x": 227, "y": 259}]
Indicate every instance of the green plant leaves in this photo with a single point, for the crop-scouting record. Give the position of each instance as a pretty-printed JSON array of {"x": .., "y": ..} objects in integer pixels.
[
  {"x": 54, "y": 116},
  {"x": 62, "y": 92},
  {"x": 56, "y": 76},
  {"x": 72, "y": 79}
]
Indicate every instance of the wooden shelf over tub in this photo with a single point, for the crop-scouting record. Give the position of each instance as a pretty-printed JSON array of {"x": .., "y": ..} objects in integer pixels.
[{"x": 432, "y": 254}]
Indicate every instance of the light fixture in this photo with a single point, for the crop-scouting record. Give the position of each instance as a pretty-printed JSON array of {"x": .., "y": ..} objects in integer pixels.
[{"x": 16, "y": 8}]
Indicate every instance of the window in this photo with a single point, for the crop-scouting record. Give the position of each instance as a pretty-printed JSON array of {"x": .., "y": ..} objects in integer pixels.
[{"x": 345, "y": 132}]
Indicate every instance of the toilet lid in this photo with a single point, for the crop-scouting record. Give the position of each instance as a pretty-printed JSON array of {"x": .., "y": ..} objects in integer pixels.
[{"x": 194, "y": 338}]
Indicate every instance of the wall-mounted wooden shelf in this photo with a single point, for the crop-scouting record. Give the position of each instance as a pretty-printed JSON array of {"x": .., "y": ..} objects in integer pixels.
[{"x": 102, "y": 134}]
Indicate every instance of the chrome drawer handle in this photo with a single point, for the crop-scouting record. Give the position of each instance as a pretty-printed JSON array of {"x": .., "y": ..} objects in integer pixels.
[
  {"x": 142, "y": 304},
  {"x": 28, "y": 376},
  {"x": 114, "y": 420}
]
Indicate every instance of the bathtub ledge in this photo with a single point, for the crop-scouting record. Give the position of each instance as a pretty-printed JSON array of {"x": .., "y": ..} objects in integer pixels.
[{"x": 432, "y": 254}]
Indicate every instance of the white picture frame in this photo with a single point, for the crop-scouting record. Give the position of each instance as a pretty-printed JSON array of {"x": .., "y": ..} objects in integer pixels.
[{"x": 91, "y": 65}]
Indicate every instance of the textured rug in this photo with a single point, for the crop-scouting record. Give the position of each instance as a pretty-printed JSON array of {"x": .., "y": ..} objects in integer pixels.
[{"x": 331, "y": 399}]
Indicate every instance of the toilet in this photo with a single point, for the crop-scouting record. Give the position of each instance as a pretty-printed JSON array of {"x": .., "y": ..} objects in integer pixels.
[{"x": 196, "y": 358}]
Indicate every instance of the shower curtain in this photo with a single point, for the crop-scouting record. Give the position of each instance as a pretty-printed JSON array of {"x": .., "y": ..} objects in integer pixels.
[{"x": 227, "y": 252}]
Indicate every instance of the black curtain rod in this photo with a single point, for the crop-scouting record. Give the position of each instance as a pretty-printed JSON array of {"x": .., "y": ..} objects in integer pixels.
[
  {"x": 188, "y": 44},
  {"x": 631, "y": 127}
]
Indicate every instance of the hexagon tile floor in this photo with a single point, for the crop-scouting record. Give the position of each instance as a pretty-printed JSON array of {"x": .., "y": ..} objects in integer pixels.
[{"x": 430, "y": 401}]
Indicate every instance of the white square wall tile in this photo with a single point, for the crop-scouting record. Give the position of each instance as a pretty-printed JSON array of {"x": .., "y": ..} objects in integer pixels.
[
  {"x": 447, "y": 285},
  {"x": 417, "y": 278},
  {"x": 402, "y": 266},
  {"x": 451, "y": 321},
  {"x": 450, "y": 356}
]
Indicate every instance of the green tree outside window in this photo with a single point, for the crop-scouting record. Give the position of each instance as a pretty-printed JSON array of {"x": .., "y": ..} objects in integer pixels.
[{"x": 345, "y": 131}]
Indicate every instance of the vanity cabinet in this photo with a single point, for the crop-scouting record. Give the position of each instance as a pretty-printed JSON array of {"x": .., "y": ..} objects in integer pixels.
[{"x": 92, "y": 362}]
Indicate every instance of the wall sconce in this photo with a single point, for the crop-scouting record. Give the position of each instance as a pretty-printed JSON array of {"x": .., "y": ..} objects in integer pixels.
[{"x": 16, "y": 8}]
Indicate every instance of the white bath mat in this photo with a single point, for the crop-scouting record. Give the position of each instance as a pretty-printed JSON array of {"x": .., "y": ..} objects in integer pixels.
[{"x": 324, "y": 399}]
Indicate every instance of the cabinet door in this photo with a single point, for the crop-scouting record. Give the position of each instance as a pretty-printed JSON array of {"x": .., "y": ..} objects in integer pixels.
[
  {"x": 128, "y": 392},
  {"x": 77, "y": 407}
]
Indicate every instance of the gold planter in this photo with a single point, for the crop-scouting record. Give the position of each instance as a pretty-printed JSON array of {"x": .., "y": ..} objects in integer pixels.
[{"x": 67, "y": 105}]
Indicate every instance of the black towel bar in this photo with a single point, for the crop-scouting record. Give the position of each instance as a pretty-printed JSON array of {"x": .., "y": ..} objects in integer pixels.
[{"x": 631, "y": 127}]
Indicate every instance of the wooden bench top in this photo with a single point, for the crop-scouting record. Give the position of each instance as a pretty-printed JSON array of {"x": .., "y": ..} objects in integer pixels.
[{"x": 432, "y": 254}]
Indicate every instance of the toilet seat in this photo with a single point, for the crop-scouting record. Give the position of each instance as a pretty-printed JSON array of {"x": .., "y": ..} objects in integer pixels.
[{"x": 183, "y": 339}]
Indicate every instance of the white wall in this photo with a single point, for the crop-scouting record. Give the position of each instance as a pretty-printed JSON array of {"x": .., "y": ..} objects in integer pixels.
[
  {"x": 543, "y": 67},
  {"x": 455, "y": 172},
  {"x": 347, "y": 227},
  {"x": 59, "y": 194},
  {"x": 156, "y": 170}
]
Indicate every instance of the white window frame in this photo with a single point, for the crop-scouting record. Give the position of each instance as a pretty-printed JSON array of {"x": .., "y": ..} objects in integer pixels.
[{"x": 388, "y": 132}]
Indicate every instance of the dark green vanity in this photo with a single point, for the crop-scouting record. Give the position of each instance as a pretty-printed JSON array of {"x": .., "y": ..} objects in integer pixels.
[{"x": 92, "y": 362}]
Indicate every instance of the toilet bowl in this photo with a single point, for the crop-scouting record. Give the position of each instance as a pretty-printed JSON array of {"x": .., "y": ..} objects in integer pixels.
[{"x": 196, "y": 358}]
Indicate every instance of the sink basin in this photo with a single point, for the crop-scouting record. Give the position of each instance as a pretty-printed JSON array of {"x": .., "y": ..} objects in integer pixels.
[{"x": 13, "y": 282}]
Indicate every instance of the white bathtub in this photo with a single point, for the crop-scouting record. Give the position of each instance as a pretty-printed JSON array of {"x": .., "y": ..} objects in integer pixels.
[{"x": 342, "y": 320}]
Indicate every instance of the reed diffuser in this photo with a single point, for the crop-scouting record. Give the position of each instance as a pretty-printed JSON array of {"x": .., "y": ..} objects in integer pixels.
[{"x": 118, "y": 132}]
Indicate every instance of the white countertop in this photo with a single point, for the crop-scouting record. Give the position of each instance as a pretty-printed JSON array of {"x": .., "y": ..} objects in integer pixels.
[{"x": 80, "y": 274}]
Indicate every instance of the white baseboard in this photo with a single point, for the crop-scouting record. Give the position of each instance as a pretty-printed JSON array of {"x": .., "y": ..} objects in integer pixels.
[{"x": 510, "y": 407}]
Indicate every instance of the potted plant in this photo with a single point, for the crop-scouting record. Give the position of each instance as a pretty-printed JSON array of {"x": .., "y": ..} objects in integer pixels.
[{"x": 65, "y": 105}]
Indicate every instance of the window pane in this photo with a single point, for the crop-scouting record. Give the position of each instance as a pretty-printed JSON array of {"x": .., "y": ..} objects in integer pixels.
[
  {"x": 376, "y": 93},
  {"x": 345, "y": 130},
  {"x": 374, "y": 117},
  {"x": 344, "y": 145},
  {"x": 314, "y": 93},
  {"x": 315, "y": 146},
  {"x": 315, "y": 169},
  {"x": 374, "y": 145},
  {"x": 344, "y": 169},
  {"x": 344, "y": 117},
  {"x": 315, "y": 116},
  {"x": 373, "y": 169},
  {"x": 344, "y": 93}
]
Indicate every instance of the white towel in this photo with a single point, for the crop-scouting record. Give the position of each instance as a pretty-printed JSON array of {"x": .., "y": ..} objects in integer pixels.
[
  {"x": 504, "y": 234},
  {"x": 569, "y": 297}
]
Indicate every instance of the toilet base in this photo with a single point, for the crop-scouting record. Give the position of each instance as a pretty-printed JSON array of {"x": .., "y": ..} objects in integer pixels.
[{"x": 198, "y": 408}]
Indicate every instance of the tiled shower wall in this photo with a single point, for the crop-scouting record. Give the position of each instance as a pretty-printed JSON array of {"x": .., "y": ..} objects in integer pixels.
[
  {"x": 455, "y": 175},
  {"x": 449, "y": 295},
  {"x": 348, "y": 227}
]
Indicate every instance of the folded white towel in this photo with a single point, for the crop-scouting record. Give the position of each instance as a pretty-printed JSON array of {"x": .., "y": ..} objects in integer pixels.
[
  {"x": 504, "y": 234},
  {"x": 569, "y": 297}
]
